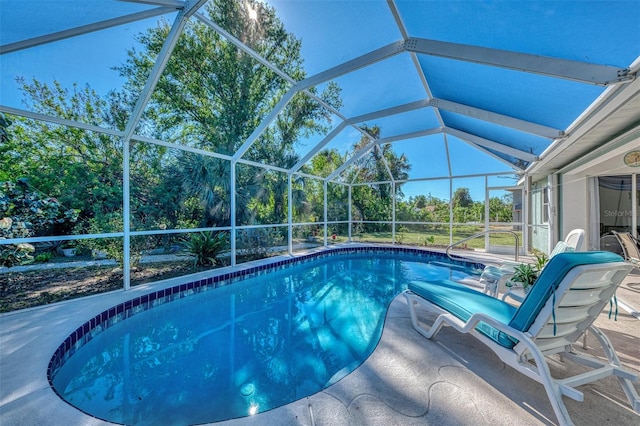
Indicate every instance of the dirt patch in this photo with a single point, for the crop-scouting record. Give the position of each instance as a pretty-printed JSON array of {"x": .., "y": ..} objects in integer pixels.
[{"x": 19, "y": 290}]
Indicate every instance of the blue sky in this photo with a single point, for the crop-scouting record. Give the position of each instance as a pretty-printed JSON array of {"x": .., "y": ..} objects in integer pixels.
[
  {"x": 336, "y": 31},
  {"x": 85, "y": 59}
]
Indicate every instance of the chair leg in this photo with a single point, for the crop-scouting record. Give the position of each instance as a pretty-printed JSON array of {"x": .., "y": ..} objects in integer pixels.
[
  {"x": 610, "y": 353},
  {"x": 551, "y": 387},
  {"x": 412, "y": 301}
]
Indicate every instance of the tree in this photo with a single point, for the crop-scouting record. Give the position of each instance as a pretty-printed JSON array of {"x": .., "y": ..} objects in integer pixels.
[
  {"x": 373, "y": 202},
  {"x": 501, "y": 208},
  {"x": 80, "y": 168},
  {"x": 462, "y": 198},
  {"x": 212, "y": 96}
]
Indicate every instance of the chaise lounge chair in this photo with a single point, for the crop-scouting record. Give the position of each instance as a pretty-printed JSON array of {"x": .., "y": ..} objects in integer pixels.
[
  {"x": 568, "y": 296},
  {"x": 494, "y": 278},
  {"x": 630, "y": 249}
]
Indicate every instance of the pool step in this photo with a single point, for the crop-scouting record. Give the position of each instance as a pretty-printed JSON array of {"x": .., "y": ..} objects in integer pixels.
[{"x": 462, "y": 268}]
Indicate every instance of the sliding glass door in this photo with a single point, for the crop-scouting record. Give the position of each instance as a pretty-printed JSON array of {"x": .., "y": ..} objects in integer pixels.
[{"x": 619, "y": 205}]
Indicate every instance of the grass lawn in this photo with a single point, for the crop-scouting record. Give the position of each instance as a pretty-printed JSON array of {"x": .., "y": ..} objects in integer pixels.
[{"x": 439, "y": 237}]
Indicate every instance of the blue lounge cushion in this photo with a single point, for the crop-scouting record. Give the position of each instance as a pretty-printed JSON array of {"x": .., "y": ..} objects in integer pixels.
[
  {"x": 550, "y": 277},
  {"x": 463, "y": 302}
]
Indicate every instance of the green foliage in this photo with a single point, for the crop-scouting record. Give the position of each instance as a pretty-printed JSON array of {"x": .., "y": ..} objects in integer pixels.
[
  {"x": 528, "y": 274},
  {"x": 420, "y": 202},
  {"x": 462, "y": 198},
  {"x": 541, "y": 261},
  {"x": 24, "y": 213},
  {"x": 257, "y": 243},
  {"x": 501, "y": 208},
  {"x": 113, "y": 247},
  {"x": 76, "y": 166},
  {"x": 465, "y": 210},
  {"x": 16, "y": 254},
  {"x": 324, "y": 162},
  {"x": 44, "y": 257},
  {"x": 429, "y": 240},
  {"x": 212, "y": 96},
  {"x": 206, "y": 247},
  {"x": 525, "y": 274}
]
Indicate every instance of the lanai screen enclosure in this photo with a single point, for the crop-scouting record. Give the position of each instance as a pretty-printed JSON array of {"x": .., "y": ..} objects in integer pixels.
[{"x": 140, "y": 128}]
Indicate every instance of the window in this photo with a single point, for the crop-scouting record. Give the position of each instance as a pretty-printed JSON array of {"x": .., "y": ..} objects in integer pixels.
[{"x": 545, "y": 205}]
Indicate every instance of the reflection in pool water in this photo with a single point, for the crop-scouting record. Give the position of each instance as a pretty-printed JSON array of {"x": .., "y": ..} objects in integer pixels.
[{"x": 243, "y": 348}]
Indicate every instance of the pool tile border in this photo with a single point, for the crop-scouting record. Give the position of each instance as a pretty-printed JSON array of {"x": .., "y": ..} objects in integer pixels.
[{"x": 96, "y": 325}]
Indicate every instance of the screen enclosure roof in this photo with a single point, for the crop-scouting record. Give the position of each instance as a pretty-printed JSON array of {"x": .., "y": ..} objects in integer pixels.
[{"x": 458, "y": 87}]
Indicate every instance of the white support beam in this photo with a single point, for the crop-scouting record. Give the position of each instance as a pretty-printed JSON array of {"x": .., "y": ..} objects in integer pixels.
[
  {"x": 233, "y": 40},
  {"x": 396, "y": 17},
  {"x": 492, "y": 117},
  {"x": 60, "y": 121},
  {"x": 180, "y": 147},
  {"x": 325, "y": 212},
  {"x": 527, "y": 156},
  {"x": 160, "y": 64},
  {"x": 365, "y": 60},
  {"x": 393, "y": 212},
  {"x": 385, "y": 162},
  {"x": 359, "y": 170},
  {"x": 296, "y": 86},
  {"x": 410, "y": 135},
  {"x": 378, "y": 182},
  {"x": 318, "y": 147},
  {"x": 262, "y": 166},
  {"x": 233, "y": 234},
  {"x": 373, "y": 142},
  {"x": 414, "y": 58},
  {"x": 290, "y": 214},
  {"x": 411, "y": 106},
  {"x": 240, "y": 45},
  {"x": 350, "y": 214},
  {"x": 351, "y": 160},
  {"x": 273, "y": 114},
  {"x": 84, "y": 29},
  {"x": 478, "y": 175},
  {"x": 448, "y": 154},
  {"x": 283, "y": 102},
  {"x": 583, "y": 72},
  {"x": 307, "y": 175},
  {"x": 492, "y": 154}
]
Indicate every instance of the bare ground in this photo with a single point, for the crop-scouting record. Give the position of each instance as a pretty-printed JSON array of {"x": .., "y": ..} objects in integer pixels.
[{"x": 19, "y": 290}]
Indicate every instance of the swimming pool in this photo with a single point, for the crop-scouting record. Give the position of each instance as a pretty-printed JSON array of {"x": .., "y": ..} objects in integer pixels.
[{"x": 206, "y": 351}]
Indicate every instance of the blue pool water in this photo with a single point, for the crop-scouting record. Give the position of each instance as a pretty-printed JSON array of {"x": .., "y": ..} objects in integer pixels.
[{"x": 244, "y": 348}]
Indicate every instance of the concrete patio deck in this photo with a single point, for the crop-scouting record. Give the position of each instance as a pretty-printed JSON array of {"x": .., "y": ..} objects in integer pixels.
[{"x": 408, "y": 380}]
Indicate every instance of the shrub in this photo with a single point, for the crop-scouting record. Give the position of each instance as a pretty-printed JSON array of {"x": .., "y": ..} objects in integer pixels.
[
  {"x": 16, "y": 254},
  {"x": 541, "y": 261},
  {"x": 429, "y": 240},
  {"x": 205, "y": 247},
  {"x": 27, "y": 214},
  {"x": 525, "y": 274},
  {"x": 256, "y": 243},
  {"x": 44, "y": 257},
  {"x": 24, "y": 214},
  {"x": 112, "y": 247}
]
